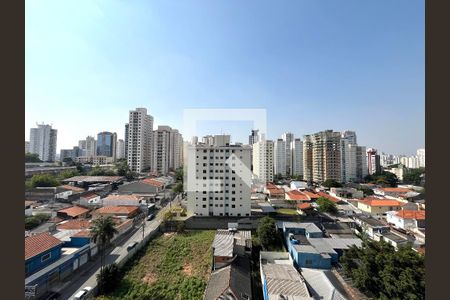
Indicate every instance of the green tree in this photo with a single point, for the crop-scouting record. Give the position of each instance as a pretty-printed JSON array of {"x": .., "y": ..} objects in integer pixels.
[
  {"x": 109, "y": 278},
  {"x": 267, "y": 233},
  {"x": 102, "y": 231},
  {"x": 384, "y": 178},
  {"x": 329, "y": 183},
  {"x": 179, "y": 175},
  {"x": 36, "y": 220},
  {"x": 380, "y": 271},
  {"x": 44, "y": 180},
  {"x": 326, "y": 205},
  {"x": 413, "y": 176},
  {"x": 68, "y": 173},
  {"x": 97, "y": 171},
  {"x": 32, "y": 157},
  {"x": 178, "y": 188}
]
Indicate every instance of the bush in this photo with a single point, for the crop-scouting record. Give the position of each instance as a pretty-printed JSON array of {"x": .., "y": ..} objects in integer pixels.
[
  {"x": 32, "y": 157},
  {"x": 267, "y": 233},
  {"x": 44, "y": 180},
  {"x": 329, "y": 183},
  {"x": 108, "y": 278},
  {"x": 34, "y": 221}
]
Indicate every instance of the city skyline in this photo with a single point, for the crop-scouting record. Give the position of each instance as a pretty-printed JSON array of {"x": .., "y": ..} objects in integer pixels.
[{"x": 313, "y": 66}]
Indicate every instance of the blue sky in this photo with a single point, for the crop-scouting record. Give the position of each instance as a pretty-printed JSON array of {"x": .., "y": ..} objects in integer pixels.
[{"x": 314, "y": 65}]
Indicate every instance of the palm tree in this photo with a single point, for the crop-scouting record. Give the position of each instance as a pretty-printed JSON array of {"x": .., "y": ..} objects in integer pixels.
[{"x": 102, "y": 232}]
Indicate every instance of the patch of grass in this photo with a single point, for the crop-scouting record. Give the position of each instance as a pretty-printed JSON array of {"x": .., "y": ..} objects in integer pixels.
[
  {"x": 287, "y": 211},
  {"x": 172, "y": 266}
]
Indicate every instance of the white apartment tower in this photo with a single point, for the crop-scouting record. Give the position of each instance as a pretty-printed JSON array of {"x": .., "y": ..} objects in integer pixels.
[
  {"x": 140, "y": 128},
  {"x": 91, "y": 146},
  {"x": 297, "y": 157},
  {"x": 167, "y": 150},
  {"x": 120, "y": 149},
  {"x": 43, "y": 142},
  {"x": 263, "y": 160},
  {"x": 219, "y": 180},
  {"x": 288, "y": 138},
  {"x": 279, "y": 153},
  {"x": 421, "y": 157}
]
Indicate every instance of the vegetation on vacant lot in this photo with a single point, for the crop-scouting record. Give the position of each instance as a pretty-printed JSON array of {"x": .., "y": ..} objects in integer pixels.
[
  {"x": 267, "y": 236},
  {"x": 287, "y": 211},
  {"x": 383, "y": 273},
  {"x": 172, "y": 266},
  {"x": 34, "y": 221}
]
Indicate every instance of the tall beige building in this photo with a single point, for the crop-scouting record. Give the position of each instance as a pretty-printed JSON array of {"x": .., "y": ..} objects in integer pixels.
[
  {"x": 139, "y": 141},
  {"x": 322, "y": 156},
  {"x": 167, "y": 150}
]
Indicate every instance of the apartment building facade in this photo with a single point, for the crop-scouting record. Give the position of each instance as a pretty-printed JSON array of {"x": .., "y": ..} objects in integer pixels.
[
  {"x": 279, "y": 154},
  {"x": 263, "y": 157},
  {"x": 288, "y": 138},
  {"x": 43, "y": 142},
  {"x": 219, "y": 180},
  {"x": 167, "y": 150},
  {"x": 139, "y": 150},
  {"x": 297, "y": 157},
  {"x": 106, "y": 144},
  {"x": 322, "y": 156}
]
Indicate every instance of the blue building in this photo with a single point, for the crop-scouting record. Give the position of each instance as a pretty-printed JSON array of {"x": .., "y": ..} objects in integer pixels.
[
  {"x": 309, "y": 249},
  {"x": 106, "y": 144},
  {"x": 41, "y": 250}
]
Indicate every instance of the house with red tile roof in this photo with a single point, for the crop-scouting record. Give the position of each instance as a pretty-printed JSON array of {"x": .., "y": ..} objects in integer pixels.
[
  {"x": 90, "y": 198},
  {"x": 304, "y": 207},
  {"x": 273, "y": 191},
  {"x": 297, "y": 196},
  {"x": 115, "y": 200},
  {"x": 116, "y": 211},
  {"x": 313, "y": 196},
  {"x": 41, "y": 250},
  {"x": 407, "y": 219},
  {"x": 392, "y": 191},
  {"x": 73, "y": 212},
  {"x": 379, "y": 207}
]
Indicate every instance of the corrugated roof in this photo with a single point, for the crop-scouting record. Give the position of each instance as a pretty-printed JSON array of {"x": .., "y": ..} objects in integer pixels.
[
  {"x": 223, "y": 243},
  {"x": 283, "y": 279},
  {"x": 121, "y": 209},
  {"x": 39, "y": 243},
  {"x": 321, "y": 286}
]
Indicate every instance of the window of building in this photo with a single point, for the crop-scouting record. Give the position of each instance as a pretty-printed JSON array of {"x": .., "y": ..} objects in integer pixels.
[
  {"x": 233, "y": 206},
  {"x": 46, "y": 257}
]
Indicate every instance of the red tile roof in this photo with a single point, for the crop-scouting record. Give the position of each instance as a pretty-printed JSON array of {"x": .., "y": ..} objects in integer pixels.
[
  {"x": 74, "y": 211},
  {"x": 39, "y": 243},
  {"x": 311, "y": 195},
  {"x": 123, "y": 197},
  {"x": 298, "y": 196},
  {"x": 412, "y": 214},
  {"x": 304, "y": 206},
  {"x": 55, "y": 220},
  {"x": 395, "y": 190},
  {"x": 74, "y": 224},
  {"x": 122, "y": 209},
  {"x": 329, "y": 197},
  {"x": 153, "y": 182},
  {"x": 381, "y": 202}
]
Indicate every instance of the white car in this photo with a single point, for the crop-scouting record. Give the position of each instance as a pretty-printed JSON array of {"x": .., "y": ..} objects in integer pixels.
[{"x": 83, "y": 293}]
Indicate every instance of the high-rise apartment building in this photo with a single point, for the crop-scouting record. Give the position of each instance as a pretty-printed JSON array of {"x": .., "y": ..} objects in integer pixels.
[
  {"x": 421, "y": 157},
  {"x": 219, "y": 180},
  {"x": 279, "y": 153},
  {"x": 297, "y": 157},
  {"x": 27, "y": 147},
  {"x": 66, "y": 153},
  {"x": 194, "y": 140},
  {"x": 373, "y": 161},
  {"x": 140, "y": 129},
  {"x": 263, "y": 160},
  {"x": 322, "y": 156},
  {"x": 167, "y": 150},
  {"x": 82, "y": 147},
  {"x": 106, "y": 144},
  {"x": 126, "y": 140},
  {"x": 120, "y": 149},
  {"x": 253, "y": 137},
  {"x": 91, "y": 146},
  {"x": 43, "y": 142},
  {"x": 288, "y": 138}
]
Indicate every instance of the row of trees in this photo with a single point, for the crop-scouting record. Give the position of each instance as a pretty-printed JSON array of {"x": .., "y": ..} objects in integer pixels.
[
  {"x": 383, "y": 178},
  {"x": 380, "y": 271}
]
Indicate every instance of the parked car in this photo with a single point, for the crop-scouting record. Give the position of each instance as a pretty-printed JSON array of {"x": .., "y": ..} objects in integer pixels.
[
  {"x": 150, "y": 217},
  {"x": 83, "y": 293},
  {"x": 131, "y": 245}
]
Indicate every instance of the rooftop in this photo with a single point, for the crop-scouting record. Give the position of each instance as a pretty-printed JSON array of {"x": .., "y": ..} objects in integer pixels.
[
  {"x": 395, "y": 190},
  {"x": 89, "y": 196},
  {"x": 153, "y": 182},
  {"x": 283, "y": 279},
  {"x": 74, "y": 211},
  {"x": 411, "y": 214},
  {"x": 74, "y": 224},
  {"x": 39, "y": 243},
  {"x": 94, "y": 179},
  {"x": 311, "y": 194},
  {"x": 329, "y": 197},
  {"x": 121, "y": 209},
  {"x": 72, "y": 188},
  {"x": 309, "y": 227},
  {"x": 370, "y": 221},
  {"x": 297, "y": 195},
  {"x": 304, "y": 206},
  {"x": 381, "y": 202},
  {"x": 324, "y": 285},
  {"x": 123, "y": 197}
]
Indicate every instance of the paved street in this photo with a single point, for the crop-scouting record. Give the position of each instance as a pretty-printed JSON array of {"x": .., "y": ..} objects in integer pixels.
[{"x": 87, "y": 276}]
